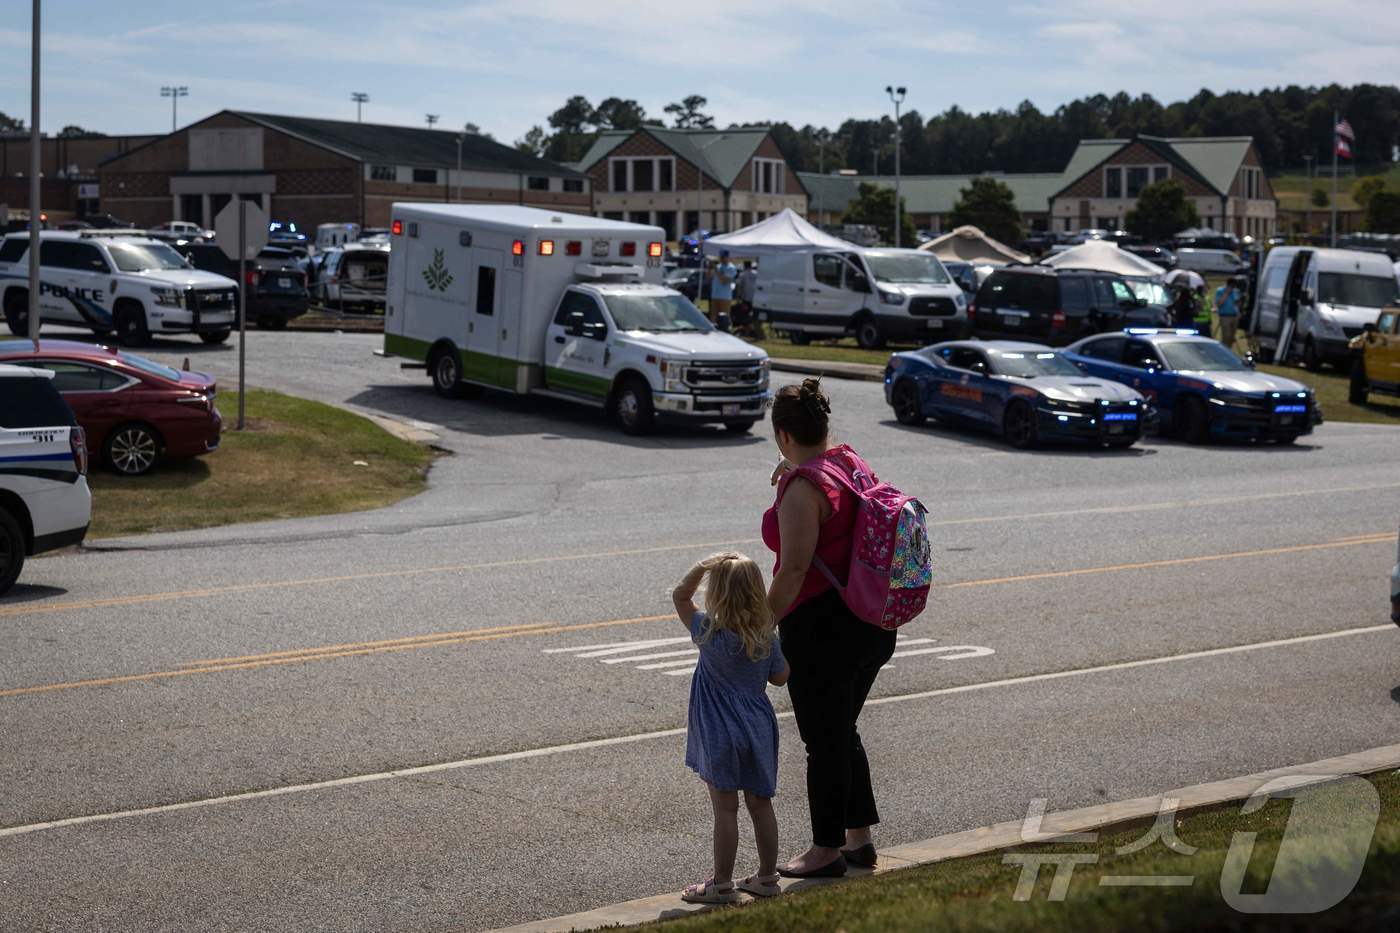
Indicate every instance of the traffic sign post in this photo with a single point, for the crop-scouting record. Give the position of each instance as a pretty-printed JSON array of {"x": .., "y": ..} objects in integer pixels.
[{"x": 240, "y": 229}]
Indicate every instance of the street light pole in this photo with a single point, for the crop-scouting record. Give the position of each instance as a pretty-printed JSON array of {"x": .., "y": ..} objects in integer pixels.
[
  {"x": 461, "y": 138},
  {"x": 432, "y": 118},
  {"x": 35, "y": 166},
  {"x": 174, "y": 93},
  {"x": 360, "y": 98},
  {"x": 896, "y": 95}
]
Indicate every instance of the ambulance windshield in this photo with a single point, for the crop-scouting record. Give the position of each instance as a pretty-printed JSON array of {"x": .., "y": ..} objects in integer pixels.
[{"x": 657, "y": 313}]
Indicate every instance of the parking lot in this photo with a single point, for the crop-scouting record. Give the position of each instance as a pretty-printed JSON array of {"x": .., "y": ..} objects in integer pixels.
[{"x": 468, "y": 709}]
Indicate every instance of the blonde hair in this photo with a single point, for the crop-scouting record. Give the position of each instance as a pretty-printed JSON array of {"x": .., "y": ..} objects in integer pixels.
[{"x": 736, "y": 600}]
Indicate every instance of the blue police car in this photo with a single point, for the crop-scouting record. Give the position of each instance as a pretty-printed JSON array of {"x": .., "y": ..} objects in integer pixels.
[
  {"x": 1200, "y": 389},
  {"x": 1025, "y": 391}
]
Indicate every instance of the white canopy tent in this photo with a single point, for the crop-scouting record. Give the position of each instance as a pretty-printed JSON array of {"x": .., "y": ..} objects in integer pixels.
[
  {"x": 784, "y": 232},
  {"x": 970, "y": 244},
  {"x": 1103, "y": 256}
]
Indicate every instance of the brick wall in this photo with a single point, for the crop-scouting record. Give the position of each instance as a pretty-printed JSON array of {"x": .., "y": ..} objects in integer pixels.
[{"x": 644, "y": 144}]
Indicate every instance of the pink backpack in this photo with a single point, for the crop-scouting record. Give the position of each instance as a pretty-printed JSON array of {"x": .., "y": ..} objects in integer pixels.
[{"x": 891, "y": 567}]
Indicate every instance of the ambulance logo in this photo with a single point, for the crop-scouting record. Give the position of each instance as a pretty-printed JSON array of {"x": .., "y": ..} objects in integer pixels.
[{"x": 436, "y": 275}]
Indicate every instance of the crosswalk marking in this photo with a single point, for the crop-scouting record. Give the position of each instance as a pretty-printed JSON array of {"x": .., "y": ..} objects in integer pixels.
[
  {"x": 650, "y": 657},
  {"x": 623, "y": 645},
  {"x": 688, "y": 663}
]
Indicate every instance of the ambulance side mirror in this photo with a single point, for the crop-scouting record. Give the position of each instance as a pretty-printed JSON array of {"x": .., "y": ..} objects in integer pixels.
[{"x": 575, "y": 327}]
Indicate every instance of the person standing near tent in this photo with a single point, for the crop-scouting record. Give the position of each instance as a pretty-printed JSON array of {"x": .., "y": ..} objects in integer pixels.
[
  {"x": 722, "y": 287},
  {"x": 1227, "y": 309}
]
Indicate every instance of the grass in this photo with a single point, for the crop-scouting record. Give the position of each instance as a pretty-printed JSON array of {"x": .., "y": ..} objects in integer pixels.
[
  {"x": 1294, "y": 192},
  {"x": 1330, "y": 384},
  {"x": 296, "y": 458},
  {"x": 976, "y": 893}
]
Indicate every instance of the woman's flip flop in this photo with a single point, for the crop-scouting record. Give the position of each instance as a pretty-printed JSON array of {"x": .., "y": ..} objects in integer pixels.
[
  {"x": 761, "y": 885},
  {"x": 710, "y": 892}
]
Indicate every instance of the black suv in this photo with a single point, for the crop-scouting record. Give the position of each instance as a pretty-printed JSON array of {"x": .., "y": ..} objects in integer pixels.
[
  {"x": 1057, "y": 306},
  {"x": 278, "y": 291}
]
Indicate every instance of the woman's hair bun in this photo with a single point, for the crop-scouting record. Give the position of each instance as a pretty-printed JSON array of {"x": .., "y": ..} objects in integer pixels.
[{"x": 813, "y": 397}]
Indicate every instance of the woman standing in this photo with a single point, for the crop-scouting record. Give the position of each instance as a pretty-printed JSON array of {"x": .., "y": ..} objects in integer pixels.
[{"x": 834, "y": 656}]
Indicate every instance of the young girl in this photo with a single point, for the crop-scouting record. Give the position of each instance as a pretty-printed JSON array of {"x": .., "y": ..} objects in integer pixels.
[{"x": 732, "y": 741}]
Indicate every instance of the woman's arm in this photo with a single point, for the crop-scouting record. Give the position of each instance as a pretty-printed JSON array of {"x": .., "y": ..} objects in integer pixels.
[{"x": 799, "y": 523}]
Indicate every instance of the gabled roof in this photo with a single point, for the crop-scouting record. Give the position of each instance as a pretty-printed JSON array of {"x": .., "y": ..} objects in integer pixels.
[
  {"x": 393, "y": 145},
  {"x": 928, "y": 194},
  {"x": 1211, "y": 160},
  {"x": 721, "y": 154}
]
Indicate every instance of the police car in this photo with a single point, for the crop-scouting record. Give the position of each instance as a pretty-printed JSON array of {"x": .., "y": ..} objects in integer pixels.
[
  {"x": 44, "y": 499},
  {"x": 109, "y": 281},
  {"x": 1200, "y": 389}
]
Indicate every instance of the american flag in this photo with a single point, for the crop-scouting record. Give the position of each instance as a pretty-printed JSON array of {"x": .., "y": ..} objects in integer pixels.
[{"x": 1344, "y": 138}]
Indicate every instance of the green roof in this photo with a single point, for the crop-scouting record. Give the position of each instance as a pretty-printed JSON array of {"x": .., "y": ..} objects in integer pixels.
[
  {"x": 1216, "y": 158},
  {"x": 927, "y": 194},
  {"x": 721, "y": 154},
  {"x": 1089, "y": 153}
]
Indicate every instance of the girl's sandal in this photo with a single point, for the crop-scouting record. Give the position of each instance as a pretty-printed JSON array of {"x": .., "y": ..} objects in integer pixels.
[
  {"x": 761, "y": 885},
  {"x": 710, "y": 892}
]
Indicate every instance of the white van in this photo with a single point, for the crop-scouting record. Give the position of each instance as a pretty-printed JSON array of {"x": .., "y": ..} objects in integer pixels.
[
  {"x": 565, "y": 306},
  {"x": 1311, "y": 301},
  {"x": 109, "y": 281},
  {"x": 1213, "y": 261},
  {"x": 876, "y": 294},
  {"x": 328, "y": 235}
]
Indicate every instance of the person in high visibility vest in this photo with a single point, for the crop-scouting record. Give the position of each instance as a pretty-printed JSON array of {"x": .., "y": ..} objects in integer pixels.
[{"x": 1202, "y": 303}]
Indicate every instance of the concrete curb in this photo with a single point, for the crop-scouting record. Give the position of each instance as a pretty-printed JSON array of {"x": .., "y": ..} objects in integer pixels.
[
  {"x": 332, "y": 325},
  {"x": 868, "y": 372},
  {"x": 1001, "y": 836}
]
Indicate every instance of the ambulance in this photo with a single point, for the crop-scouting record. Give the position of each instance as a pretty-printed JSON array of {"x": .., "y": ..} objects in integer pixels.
[{"x": 564, "y": 306}]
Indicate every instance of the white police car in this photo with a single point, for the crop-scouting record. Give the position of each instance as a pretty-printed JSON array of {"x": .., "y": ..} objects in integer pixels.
[
  {"x": 44, "y": 498},
  {"x": 118, "y": 281}
]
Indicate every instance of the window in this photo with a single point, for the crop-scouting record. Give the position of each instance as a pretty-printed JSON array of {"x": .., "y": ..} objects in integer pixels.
[
  {"x": 1140, "y": 355},
  {"x": 88, "y": 258},
  {"x": 619, "y": 175},
  {"x": 1040, "y": 293},
  {"x": 1273, "y": 285},
  {"x": 581, "y": 304},
  {"x": 1137, "y": 179},
  {"x": 1113, "y": 182},
  {"x": 77, "y": 377},
  {"x": 1345, "y": 288},
  {"x": 383, "y": 173},
  {"x": 768, "y": 176},
  {"x": 1109, "y": 349},
  {"x": 573, "y": 185},
  {"x": 31, "y": 403},
  {"x": 1386, "y": 323},
  {"x": 666, "y": 170},
  {"x": 643, "y": 173},
  {"x": 60, "y": 254},
  {"x": 425, "y": 176},
  {"x": 826, "y": 269},
  {"x": 13, "y": 249},
  {"x": 965, "y": 358},
  {"x": 486, "y": 290},
  {"x": 1074, "y": 292},
  {"x": 1002, "y": 290},
  {"x": 537, "y": 183},
  {"x": 1160, "y": 173}
]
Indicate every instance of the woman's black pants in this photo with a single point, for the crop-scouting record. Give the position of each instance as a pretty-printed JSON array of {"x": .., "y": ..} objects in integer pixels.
[{"x": 834, "y": 658}]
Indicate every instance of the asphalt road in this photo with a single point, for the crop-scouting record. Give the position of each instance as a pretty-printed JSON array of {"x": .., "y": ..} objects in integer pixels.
[{"x": 468, "y": 710}]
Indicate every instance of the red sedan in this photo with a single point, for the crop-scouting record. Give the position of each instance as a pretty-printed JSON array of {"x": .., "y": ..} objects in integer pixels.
[{"x": 133, "y": 410}]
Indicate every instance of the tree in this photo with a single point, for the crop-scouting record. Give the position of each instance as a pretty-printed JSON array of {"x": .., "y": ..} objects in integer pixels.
[
  {"x": 1162, "y": 210},
  {"x": 1383, "y": 212},
  {"x": 614, "y": 113},
  {"x": 1319, "y": 198},
  {"x": 72, "y": 130},
  {"x": 1363, "y": 188},
  {"x": 990, "y": 205},
  {"x": 474, "y": 130},
  {"x": 534, "y": 141},
  {"x": 874, "y": 205},
  {"x": 575, "y": 117},
  {"x": 9, "y": 124},
  {"x": 688, "y": 113}
]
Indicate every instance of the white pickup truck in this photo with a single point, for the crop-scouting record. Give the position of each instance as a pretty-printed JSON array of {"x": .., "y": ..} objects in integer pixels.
[{"x": 564, "y": 306}]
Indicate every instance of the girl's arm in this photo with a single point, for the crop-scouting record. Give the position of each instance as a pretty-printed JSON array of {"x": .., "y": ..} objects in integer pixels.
[
  {"x": 799, "y": 523},
  {"x": 683, "y": 596}
]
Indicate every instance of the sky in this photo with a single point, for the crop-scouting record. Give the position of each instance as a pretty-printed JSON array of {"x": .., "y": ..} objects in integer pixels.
[{"x": 505, "y": 65}]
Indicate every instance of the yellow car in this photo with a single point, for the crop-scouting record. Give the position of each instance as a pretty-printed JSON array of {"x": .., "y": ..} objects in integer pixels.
[{"x": 1376, "y": 357}]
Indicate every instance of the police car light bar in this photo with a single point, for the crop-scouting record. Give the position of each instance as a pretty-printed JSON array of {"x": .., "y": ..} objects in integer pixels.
[{"x": 1148, "y": 331}]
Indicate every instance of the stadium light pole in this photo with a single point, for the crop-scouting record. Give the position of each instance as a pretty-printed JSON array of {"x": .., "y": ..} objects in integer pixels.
[
  {"x": 360, "y": 98},
  {"x": 431, "y": 118},
  {"x": 35, "y": 166},
  {"x": 174, "y": 93},
  {"x": 897, "y": 96}
]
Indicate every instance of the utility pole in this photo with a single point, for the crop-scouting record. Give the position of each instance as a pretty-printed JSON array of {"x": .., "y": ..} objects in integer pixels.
[
  {"x": 896, "y": 95},
  {"x": 360, "y": 98},
  {"x": 822, "y": 137},
  {"x": 174, "y": 93},
  {"x": 431, "y": 118},
  {"x": 1308, "y": 161},
  {"x": 1332, "y": 230},
  {"x": 35, "y": 166},
  {"x": 461, "y": 138}
]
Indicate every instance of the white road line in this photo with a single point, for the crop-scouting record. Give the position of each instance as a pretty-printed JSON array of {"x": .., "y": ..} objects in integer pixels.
[
  {"x": 915, "y": 641},
  {"x": 688, "y": 663},
  {"x": 681, "y": 673},
  {"x": 644, "y": 643},
  {"x": 651, "y": 657},
  {"x": 965, "y": 651},
  {"x": 623, "y": 650},
  {"x": 591, "y": 744}
]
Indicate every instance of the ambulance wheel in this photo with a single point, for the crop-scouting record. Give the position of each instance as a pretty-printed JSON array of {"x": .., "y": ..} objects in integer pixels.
[
  {"x": 633, "y": 408},
  {"x": 17, "y": 311},
  {"x": 907, "y": 407},
  {"x": 131, "y": 326},
  {"x": 739, "y": 427},
  {"x": 868, "y": 334},
  {"x": 214, "y": 336},
  {"x": 1358, "y": 391},
  {"x": 799, "y": 338},
  {"x": 11, "y": 551},
  {"x": 1018, "y": 426},
  {"x": 445, "y": 366}
]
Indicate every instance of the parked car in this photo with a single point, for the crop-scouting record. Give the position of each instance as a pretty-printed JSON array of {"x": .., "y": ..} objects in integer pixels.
[
  {"x": 1201, "y": 390},
  {"x": 1051, "y": 305},
  {"x": 276, "y": 283},
  {"x": 353, "y": 277},
  {"x": 75, "y": 225},
  {"x": 1027, "y": 392},
  {"x": 686, "y": 281},
  {"x": 1036, "y": 243},
  {"x": 133, "y": 411},
  {"x": 964, "y": 273},
  {"x": 1375, "y": 364},
  {"x": 108, "y": 222},
  {"x": 175, "y": 231},
  {"x": 1154, "y": 254},
  {"x": 1212, "y": 261},
  {"x": 44, "y": 498}
]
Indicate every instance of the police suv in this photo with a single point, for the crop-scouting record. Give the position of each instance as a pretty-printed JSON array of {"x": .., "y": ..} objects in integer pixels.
[
  {"x": 44, "y": 499},
  {"x": 120, "y": 281}
]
